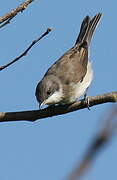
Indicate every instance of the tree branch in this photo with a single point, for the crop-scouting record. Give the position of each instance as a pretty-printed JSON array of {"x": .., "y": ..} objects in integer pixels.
[
  {"x": 108, "y": 129},
  {"x": 7, "y": 17},
  {"x": 57, "y": 110},
  {"x": 26, "y": 51}
]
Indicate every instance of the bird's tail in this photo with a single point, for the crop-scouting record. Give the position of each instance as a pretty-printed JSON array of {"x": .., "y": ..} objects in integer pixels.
[{"x": 87, "y": 29}]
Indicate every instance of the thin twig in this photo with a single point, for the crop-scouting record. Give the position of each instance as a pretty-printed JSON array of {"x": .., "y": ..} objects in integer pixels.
[
  {"x": 6, "y": 22},
  {"x": 26, "y": 51},
  {"x": 57, "y": 110},
  {"x": 7, "y": 17},
  {"x": 101, "y": 139}
]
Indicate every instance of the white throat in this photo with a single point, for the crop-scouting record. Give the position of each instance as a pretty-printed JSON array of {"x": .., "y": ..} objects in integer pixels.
[{"x": 55, "y": 98}]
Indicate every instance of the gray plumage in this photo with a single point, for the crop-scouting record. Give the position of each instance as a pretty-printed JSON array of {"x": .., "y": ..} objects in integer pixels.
[{"x": 62, "y": 81}]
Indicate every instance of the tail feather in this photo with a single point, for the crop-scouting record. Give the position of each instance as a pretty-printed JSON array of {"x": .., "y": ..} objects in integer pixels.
[
  {"x": 83, "y": 29},
  {"x": 87, "y": 29}
]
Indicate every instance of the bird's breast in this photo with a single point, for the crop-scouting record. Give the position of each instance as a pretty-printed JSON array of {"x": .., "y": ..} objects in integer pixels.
[{"x": 76, "y": 90}]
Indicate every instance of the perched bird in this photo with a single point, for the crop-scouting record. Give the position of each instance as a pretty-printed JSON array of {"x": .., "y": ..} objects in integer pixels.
[{"x": 70, "y": 76}]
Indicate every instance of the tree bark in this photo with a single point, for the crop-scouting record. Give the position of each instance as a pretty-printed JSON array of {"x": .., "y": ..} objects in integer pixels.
[{"x": 50, "y": 111}]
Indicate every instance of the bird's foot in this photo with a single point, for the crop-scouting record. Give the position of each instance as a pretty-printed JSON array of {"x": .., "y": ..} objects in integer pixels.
[{"x": 86, "y": 101}]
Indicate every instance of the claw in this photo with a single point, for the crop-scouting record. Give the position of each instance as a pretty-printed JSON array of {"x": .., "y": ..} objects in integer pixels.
[{"x": 86, "y": 101}]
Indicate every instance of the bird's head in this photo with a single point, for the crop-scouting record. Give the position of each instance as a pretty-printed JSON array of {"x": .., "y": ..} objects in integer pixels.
[{"x": 48, "y": 91}]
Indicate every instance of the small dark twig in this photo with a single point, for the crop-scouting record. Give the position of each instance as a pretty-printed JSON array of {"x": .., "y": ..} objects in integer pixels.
[
  {"x": 26, "y": 51},
  {"x": 101, "y": 139},
  {"x": 6, "y": 22},
  {"x": 8, "y": 16}
]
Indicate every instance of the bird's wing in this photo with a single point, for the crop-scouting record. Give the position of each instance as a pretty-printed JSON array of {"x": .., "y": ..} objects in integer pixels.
[{"x": 72, "y": 66}]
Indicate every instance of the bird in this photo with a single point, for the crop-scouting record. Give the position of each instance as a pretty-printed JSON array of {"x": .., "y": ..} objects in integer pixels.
[{"x": 70, "y": 76}]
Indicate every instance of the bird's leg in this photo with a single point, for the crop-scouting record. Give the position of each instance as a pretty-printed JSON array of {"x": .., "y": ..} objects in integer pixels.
[{"x": 86, "y": 99}]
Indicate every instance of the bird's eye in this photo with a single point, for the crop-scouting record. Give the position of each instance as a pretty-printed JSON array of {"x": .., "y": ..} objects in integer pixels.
[{"x": 48, "y": 92}]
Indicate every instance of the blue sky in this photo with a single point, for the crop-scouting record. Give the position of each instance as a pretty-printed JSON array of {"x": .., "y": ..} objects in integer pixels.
[{"x": 48, "y": 149}]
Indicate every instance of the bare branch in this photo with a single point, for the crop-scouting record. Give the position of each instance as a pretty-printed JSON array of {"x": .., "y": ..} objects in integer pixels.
[
  {"x": 101, "y": 139},
  {"x": 7, "y": 17},
  {"x": 6, "y": 22},
  {"x": 57, "y": 110},
  {"x": 26, "y": 51}
]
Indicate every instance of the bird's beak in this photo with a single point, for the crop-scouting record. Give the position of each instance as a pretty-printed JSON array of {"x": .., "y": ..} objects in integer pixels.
[{"x": 42, "y": 104}]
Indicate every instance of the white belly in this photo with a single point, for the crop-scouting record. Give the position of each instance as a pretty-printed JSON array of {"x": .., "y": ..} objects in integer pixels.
[{"x": 80, "y": 88}]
